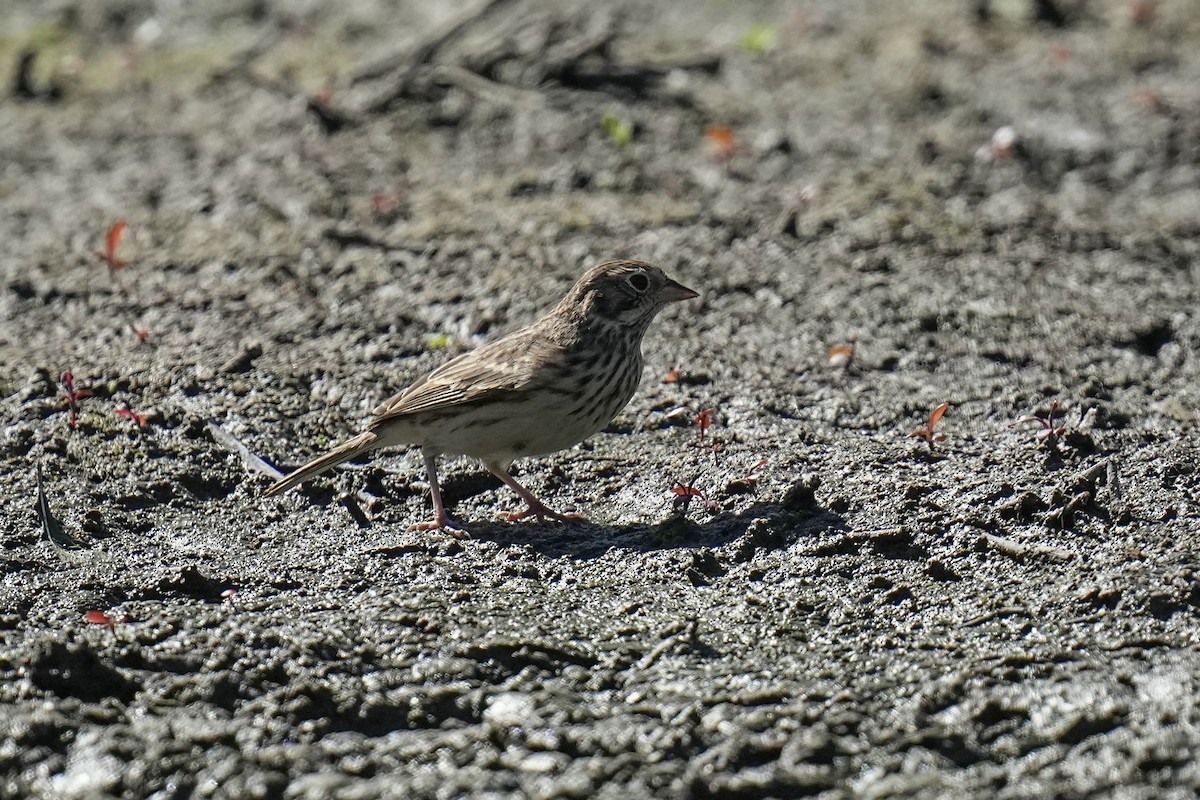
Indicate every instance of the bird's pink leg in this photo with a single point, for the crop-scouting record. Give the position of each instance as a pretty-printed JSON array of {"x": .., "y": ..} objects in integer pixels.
[
  {"x": 441, "y": 519},
  {"x": 536, "y": 507}
]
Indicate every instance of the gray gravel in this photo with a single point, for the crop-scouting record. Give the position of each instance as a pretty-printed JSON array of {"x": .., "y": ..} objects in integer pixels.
[{"x": 995, "y": 616}]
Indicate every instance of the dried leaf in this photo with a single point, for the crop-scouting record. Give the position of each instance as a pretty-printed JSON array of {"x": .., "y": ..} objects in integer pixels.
[{"x": 51, "y": 527}]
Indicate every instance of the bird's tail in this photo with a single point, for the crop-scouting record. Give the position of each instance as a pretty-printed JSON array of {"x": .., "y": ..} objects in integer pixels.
[{"x": 343, "y": 452}]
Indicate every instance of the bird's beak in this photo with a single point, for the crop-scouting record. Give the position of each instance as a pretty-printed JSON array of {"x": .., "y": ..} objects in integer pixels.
[{"x": 673, "y": 292}]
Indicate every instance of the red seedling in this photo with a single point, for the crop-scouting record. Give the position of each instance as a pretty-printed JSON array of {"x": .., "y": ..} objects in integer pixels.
[
  {"x": 1059, "y": 54},
  {"x": 130, "y": 58},
  {"x": 927, "y": 433},
  {"x": 141, "y": 332},
  {"x": 672, "y": 376},
  {"x": 684, "y": 494},
  {"x": 842, "y": 356},
  {"x": 802, "y": 23},
  {"x": 109, "y": 256},
  {"x": 721, "y": 142},
  {"x": 1050, "y": 432},
  {"x": 747, "y": 482},
  {"x": 73, "y": 397},
  {"x": 100, "y": 618},
  {"x": 1151, "y": 100},
  {"x": 704, "y": 422},
  {"x": 1143, "y": 13},
  {"x": 130, "y": 414},
  {"x": 390, "y": 206}
]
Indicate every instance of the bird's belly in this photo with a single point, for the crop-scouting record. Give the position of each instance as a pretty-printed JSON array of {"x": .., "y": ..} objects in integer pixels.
[
  {"x": 506, "y": 431},
  {"x": 550, "y": 415}
]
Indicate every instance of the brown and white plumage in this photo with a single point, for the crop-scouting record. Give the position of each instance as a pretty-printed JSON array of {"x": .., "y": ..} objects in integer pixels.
[{"x": 537, "y": 390}]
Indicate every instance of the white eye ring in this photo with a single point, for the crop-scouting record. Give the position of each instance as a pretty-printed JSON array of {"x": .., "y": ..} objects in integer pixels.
[{"x": 639, "y": 281}]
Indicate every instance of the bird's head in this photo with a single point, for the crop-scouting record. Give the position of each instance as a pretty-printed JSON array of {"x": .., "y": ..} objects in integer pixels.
[{"x": 623, "y": 294}]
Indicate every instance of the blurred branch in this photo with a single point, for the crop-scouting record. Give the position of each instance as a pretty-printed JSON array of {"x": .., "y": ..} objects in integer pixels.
[{"x": 423, "y": 55}]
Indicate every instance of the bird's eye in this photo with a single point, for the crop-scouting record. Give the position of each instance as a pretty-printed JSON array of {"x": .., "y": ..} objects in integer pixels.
[{"x": 639, "y": 282}]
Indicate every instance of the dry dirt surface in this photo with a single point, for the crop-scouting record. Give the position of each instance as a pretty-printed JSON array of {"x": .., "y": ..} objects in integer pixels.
[{"x": 998, "y": 202}]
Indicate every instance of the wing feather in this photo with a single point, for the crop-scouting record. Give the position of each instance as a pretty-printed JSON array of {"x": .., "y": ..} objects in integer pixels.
[{"x": 506, "y": 365}]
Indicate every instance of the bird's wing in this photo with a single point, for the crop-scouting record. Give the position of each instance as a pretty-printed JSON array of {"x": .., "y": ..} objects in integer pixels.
[{"x": 507, "y": 365}]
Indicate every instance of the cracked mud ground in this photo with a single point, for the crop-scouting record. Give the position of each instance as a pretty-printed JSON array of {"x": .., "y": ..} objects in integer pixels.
[{"x": 325, "y": 202}]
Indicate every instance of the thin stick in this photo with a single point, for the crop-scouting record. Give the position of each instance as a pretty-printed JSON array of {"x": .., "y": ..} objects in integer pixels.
[{"x": 1020, "y": 550}]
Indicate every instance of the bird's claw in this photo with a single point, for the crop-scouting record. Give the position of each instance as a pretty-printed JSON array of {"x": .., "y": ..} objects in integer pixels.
[
  {"x": 444, "y": 523},
  {"x": 540, "y": 512}
]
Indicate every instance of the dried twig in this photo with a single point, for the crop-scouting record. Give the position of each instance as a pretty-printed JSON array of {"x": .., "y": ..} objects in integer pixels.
[
  {"x": 353, "y": 506},
  {"x": 243, "y": 61},
  {"x": 352, "y": 237},
  {"x": 684, "y": 633},
  {"x": 22, "y": 83},
  {"x": 485, "y": 88},
  {"x": 564, "y": 57},
  {"x": 1006, "y": 611},
  {"x": 23, "y": 86},
  {"x": 1021, "y": 550},
  {"x": 637, "y": 78},
  {"x": 329, "y": 118}
]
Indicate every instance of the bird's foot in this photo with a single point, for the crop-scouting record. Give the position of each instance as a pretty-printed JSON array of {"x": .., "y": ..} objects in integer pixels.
[
  {"x": 443, "y": 522},
  {"x": 541, "y": 511}
]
